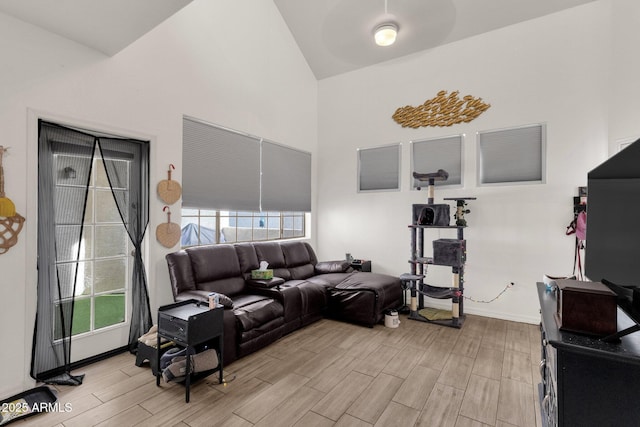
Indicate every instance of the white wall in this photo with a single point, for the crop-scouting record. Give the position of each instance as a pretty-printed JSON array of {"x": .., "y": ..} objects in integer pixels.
[
  {"x": 552, "y": 70},
  {"x": 253, "y": 79},
  {"x": 624, "y": 111}
]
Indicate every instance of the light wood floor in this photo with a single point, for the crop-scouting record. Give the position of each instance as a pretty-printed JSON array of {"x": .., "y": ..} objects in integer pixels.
[{"x": 332, "y": 374}]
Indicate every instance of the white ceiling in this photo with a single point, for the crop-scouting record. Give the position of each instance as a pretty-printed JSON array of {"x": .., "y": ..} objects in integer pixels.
[
  {"x": 335, "y": 36},
  {"x": 105, "y": 25}
]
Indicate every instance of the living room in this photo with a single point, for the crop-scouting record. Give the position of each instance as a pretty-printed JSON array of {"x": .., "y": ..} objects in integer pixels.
[{"x": 573, "y": 70}]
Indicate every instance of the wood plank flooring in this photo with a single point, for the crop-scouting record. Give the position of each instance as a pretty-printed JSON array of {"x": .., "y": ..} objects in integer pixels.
[{"x": 332, "y": 374}]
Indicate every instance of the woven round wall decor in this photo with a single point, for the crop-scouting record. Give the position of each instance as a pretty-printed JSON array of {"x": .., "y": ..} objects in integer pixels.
[
  {"x": 169, "y": 191},
  {"x": 11, "y": 222},
  {"x": 168, "y": 233}
]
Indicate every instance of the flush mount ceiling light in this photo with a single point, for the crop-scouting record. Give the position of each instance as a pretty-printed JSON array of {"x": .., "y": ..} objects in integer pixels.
[{"x": 385, "y": 34}]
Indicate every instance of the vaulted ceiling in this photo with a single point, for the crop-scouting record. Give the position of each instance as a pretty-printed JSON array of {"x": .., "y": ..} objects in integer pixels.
[
  {"x": 105, "y": 25},
  {"x": 335, "y": 36}
]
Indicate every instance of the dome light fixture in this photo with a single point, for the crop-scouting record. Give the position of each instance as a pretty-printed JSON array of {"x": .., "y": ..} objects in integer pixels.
[{"x": 385, "y": 34}]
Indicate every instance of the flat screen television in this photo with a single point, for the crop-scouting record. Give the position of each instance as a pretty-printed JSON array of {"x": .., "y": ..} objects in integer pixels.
[{"x": 612, "y": 252}]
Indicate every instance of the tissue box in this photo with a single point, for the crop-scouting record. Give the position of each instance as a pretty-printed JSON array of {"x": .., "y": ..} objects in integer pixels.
[{"x": 262, "y": 274}]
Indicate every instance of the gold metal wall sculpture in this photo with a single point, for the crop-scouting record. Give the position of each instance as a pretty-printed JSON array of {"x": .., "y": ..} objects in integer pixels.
[{"x": 443, "y": 110}]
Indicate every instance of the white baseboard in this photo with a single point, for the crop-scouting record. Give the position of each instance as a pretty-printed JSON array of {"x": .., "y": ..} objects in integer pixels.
[{"x": 533, "y": 320}]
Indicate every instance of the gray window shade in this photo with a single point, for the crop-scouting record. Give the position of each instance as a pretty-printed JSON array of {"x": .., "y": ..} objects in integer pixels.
[
  {"x": 221, "y": 168},
  {"x": 512, "y": 155},
  {"x": 379, "y": 168},
  {"x": 441, "y": 153},
  {"x": 286, "y": 179}
]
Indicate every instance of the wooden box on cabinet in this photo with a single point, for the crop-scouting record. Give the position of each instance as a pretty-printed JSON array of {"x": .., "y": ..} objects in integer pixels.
[{"x": 586, "y": 307}]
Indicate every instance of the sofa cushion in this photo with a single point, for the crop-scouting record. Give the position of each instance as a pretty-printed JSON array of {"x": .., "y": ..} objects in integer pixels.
[
  {"x": 388, "y": 288},
  {"x": 302, "y": 272},
  {"x": 295, "y": 253},
  {"x": 214, "y": 262},
  {"x": 258, "y": 338},
  {"x": 364, "y": 297},
  {"x": 313, "y": 296},
  {"x": 230, "y": 286},
  {"x": 242, "y": 300},
  {"x": 255, "y": 311},
  {"x": 247, "y": 257},
  {"x": 324, "y": 267},
  {"x": 299, "y": 261},
  {"x": 271, "y": 252},
  {"x": 180, "y": 273},
  {"x": 216, "y": 269},
  {"x": 381, "y": 283},
  {"x": 330, "y": 280}
]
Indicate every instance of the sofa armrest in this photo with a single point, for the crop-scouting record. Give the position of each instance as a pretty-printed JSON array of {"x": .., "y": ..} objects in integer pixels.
[
  {"x": 203, "y": 296},
  {"x": 267, "y": 287},
  {"x": 265, "y": 283},
  {"x": 261, "y": 287},
  {"x": 340, "y": 266}
]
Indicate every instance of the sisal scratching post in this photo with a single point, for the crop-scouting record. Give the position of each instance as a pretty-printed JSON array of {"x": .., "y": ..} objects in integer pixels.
[
  {"x": 431, "y": 178},
  {"x": 431, "y": 191},
  {"x": 455, "y": 300}
]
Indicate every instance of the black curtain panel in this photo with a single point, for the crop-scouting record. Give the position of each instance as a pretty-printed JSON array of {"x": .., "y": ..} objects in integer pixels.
[
  {"x": 65, "y": 159},
  {"x": 133, "y": 205}
]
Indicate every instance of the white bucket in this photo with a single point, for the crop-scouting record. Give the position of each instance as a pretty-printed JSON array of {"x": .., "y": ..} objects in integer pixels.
[{"x": 391, "y": 319}]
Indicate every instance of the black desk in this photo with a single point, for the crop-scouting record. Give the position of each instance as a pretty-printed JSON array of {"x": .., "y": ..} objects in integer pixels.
[
  {"x": 192, "y": 324},
  {"x": 586, "y": 381}
]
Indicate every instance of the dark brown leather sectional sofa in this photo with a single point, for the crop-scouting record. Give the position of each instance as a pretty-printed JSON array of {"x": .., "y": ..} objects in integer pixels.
[{"x": 257, "y": 313}]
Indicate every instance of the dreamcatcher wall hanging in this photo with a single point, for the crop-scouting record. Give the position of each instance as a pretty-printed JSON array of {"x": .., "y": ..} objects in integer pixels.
[{"x": 10, "y": 221}]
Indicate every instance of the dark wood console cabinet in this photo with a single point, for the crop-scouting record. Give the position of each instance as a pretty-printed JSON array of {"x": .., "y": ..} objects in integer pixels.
[{"x": 585, "y": 381}]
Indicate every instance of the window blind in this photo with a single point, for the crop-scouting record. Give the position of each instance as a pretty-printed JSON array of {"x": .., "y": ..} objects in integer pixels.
[
  {"x": 286, "y": 178},
  {"x": 512, "y": 155},
  {"x": 228, "y": 170},
  {"x": 441, "y": 153},
  {"x": 379, "y": 168},
  {"x": 221, "y": 168}
]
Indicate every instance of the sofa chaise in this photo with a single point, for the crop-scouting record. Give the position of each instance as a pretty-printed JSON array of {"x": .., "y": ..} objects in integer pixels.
[{"x": 258, "y": 312}]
